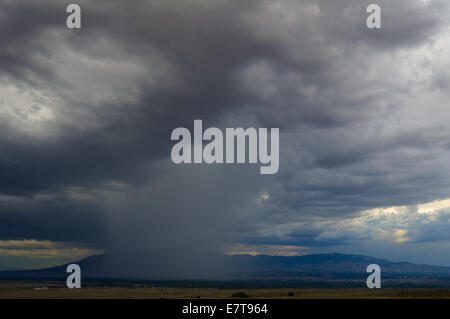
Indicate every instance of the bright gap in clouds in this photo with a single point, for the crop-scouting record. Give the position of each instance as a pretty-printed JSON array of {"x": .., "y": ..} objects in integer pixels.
[
  {"x": 40, "y": 253},
  {"x": 396, "y": 225}
]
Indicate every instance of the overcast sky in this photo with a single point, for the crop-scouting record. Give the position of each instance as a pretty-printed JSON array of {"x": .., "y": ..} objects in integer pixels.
[{"x": 86, "y": 117}]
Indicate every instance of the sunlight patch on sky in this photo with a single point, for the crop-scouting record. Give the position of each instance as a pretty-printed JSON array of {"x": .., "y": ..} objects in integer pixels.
[
  {"x": 31, "y": 253},
  {"x": 272, "y": 250}
]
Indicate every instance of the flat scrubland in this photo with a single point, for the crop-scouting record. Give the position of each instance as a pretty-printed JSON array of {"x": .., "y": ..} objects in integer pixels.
[{"x": 45, "y": 290}]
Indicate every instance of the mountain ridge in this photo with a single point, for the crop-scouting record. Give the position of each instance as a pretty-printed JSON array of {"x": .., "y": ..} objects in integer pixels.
[{"x": 200, "y": 265}]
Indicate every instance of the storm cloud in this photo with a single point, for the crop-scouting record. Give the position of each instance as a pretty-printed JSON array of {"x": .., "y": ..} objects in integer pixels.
[{"x": 86, "y": 117}]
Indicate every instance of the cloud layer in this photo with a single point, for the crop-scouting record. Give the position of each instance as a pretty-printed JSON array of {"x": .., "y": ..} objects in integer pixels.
[{"x": 86, "y": 117}]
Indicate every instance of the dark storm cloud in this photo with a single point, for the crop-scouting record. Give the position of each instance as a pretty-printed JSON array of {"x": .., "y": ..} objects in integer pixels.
[
  {"x": 87, "y": 116},
  {"x": 131, "y": 132},
  {"x": 59, "y": 219}
]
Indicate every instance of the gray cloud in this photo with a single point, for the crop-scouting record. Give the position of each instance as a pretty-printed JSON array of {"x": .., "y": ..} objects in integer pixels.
[{"x": 86, "y": 117}]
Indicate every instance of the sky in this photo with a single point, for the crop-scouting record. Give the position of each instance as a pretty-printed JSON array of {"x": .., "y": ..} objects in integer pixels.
[{"x": 86, "y": 117}]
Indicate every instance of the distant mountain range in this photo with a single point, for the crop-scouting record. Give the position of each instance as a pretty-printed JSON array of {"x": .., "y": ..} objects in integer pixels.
[{"x": 199, "y": 265}]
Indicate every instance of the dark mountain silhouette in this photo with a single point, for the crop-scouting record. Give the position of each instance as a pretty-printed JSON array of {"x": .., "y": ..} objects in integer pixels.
[{"x": 200, "y": 265}]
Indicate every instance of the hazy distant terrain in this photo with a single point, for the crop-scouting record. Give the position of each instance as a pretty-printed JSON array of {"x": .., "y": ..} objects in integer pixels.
[{"x": 212, "y": 270}]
